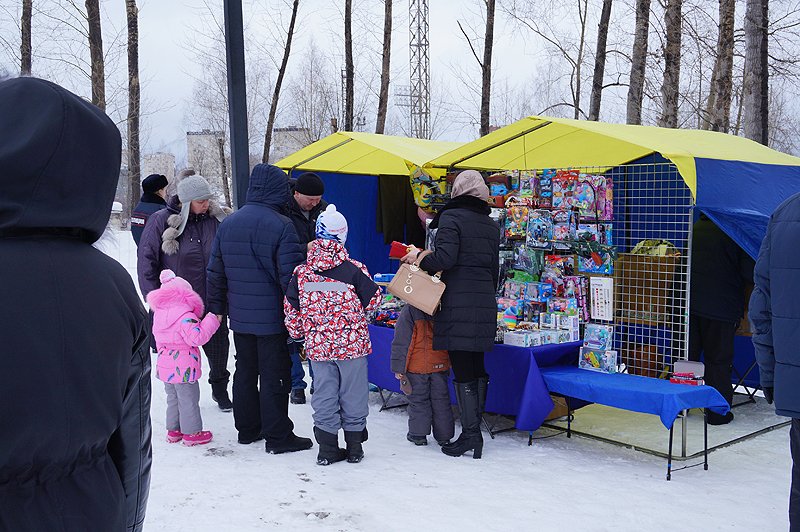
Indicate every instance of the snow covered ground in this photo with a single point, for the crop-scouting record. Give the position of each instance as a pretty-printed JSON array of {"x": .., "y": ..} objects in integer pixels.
[{"x": 560, "y": 484}]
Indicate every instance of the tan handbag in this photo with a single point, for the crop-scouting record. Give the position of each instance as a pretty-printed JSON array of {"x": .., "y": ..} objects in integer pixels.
[{"x": 416, "y": 287}]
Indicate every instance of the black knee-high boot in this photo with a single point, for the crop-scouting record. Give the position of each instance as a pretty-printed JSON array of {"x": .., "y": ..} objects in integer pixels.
[{"x": 471, "y": 438}]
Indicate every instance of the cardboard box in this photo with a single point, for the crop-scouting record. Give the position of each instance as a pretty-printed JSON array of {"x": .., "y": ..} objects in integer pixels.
[
  {"x": 518, "y": 338},
  {"x": 568, "y": 322},
  {"x": 643, "y": 288}
]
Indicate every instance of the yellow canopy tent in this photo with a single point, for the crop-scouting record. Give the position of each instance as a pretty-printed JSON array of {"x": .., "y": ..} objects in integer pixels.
[
  {"x": 347, "y": 152},
  {"x": 366, "y": 176},
  {"x": 539, "y": 142}
]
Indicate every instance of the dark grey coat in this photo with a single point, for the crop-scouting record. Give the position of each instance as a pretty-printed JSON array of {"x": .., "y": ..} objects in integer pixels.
[{"x": 467, "y": 247}]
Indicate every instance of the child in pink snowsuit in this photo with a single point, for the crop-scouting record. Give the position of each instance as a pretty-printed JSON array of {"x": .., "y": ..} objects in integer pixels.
[{"x": 179, "y": 332}]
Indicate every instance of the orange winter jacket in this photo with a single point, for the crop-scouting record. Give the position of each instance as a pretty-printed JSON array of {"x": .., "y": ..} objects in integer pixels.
[{"x": 412, "y": 346}]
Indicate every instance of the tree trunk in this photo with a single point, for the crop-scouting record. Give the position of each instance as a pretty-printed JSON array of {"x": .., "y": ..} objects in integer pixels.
[
  {"x": 349, "y": 71},
  {"x": 638, "y": 63},
  {"x": 134, "y": 97},
  {"x": 96, "y": 54},
  {"x": 583, "y": 13},
  {"x": 718, "y": 107},
  {"x": 25, "y": 42},
  {"x": 273, "y": 108},
  {"x": 755, "y": 35},
  {"x": 383, "y": 97},
  {"x": 672, "y": 64},
  {"x": 486, "y": 68},
  {"x": 599, "y": 62}
]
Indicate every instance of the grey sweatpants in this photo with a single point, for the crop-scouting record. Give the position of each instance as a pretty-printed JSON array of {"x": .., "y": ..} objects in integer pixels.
[
  {"x": 429, "y": 404},
  {"x": 183, "y": 407},
  {"x": 341, "y": 394}
]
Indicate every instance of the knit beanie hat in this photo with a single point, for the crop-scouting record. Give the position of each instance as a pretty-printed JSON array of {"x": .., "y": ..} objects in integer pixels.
[
  {"x": 153, "y": 183},
  {"x": 191, "y": 188},
  {"x": 470, "y": 183},
  {"x": 332, "y": 225},
  {"x": 309, "y": 184}
]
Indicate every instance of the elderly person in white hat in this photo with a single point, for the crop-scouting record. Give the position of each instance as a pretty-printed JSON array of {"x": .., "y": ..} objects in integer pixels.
[
  {"x": 467, "y": 247},
  {"x": 179, "y": 238}
]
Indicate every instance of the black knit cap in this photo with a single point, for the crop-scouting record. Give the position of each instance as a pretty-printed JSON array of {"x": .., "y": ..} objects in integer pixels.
[
  {"x": 309, "y": 184},
  {"x": 153, "y": 183}
]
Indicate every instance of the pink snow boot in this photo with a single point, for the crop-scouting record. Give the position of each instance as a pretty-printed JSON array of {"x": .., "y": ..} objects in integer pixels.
[
  {"x": 174, "y": 436},
  {"x": 198, "y": 438}
]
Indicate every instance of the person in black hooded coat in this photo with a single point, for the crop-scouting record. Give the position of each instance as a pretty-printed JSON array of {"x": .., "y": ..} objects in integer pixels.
[
  {"x": 467, "y": 252},
  {"x": 75, "y": 449}
]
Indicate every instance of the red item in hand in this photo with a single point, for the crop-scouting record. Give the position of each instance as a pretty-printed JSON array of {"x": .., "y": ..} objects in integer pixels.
[{"x": 398, "y": 250}]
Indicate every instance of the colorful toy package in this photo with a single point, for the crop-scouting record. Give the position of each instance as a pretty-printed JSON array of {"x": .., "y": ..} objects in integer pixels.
[
  {"x": 532, "y": 310},
  {"x": 564, "y": 305},
  {"x": 547, "y": 320},
  {"x": 593, "y": 197},
  {"x": 577, "y": 286},
  {"x": 565, "y": 264},
  {"x": 538, "y": 292},
  {"x": 514, "y": 289},
  {"x": 540, "y": 229},
  {"x": 564, "y": 184},
  {"x": 598, "y": 360},
  {"x": 588, "y": 265},
  {"x": 528, "y": 184},
  {"x": 563, "y": 228},
  {"x": 546, "y": 187},
  {"x": 601, "y": 232},
  {"x": 509, "y": 310},
  {"x": 598, "y": 337},
  {"x": 517, "y": 221}
]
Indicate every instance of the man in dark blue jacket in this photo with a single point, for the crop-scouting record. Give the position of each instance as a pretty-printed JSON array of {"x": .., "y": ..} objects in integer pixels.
[
  {"x": 775, "y": 318},
  {"x": 154, "y": 187},
  {"x": 253, "y": 256},
  {"x": 75, "y": 449}
]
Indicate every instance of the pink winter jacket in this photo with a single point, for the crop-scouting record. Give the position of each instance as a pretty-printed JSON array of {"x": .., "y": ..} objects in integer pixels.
[{"x": 178, "y": 330}]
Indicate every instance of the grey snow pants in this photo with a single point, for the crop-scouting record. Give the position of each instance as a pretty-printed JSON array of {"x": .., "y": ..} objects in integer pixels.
[
  {"x": 183, "y": 407},
  {"x": 341, "y": 394}
]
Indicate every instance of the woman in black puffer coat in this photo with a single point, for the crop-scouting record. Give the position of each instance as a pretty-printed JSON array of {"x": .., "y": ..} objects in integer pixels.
[{"x": 467, "y": 246}]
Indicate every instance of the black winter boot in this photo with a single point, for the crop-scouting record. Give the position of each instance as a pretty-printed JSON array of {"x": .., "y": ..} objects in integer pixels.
[
  {"x": 354, "y": 439},
  {"x": 471, "y": 438},
  {"x": 219, "y": 393},
  {"x": 289, "y": 444},
  {"x": 329, "y": 450},
  {"x": 483, "y": 389}
]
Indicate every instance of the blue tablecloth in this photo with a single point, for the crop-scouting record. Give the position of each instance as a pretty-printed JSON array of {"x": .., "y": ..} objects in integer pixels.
[
  {"x": 632, "y": 392},
  {"x": 516, "y": 386}
]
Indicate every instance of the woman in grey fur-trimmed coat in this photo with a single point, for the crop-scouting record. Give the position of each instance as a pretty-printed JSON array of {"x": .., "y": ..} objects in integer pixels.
[
  {"x": 179, "y": 238},
  {"x": 467, "y": 248}
]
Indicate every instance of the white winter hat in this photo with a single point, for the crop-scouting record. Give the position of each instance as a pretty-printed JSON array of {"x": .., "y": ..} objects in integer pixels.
[{"x": 332, "y": 225}]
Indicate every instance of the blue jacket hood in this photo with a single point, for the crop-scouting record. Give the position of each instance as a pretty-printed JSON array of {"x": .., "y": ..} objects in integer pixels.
[
  {"x": 59, "y": 159},
  {"x": 269, "y": 186}
]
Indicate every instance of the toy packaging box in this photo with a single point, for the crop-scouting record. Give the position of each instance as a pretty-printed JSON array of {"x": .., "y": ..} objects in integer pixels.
[
  {"x": 514, "y": 290},
  {"x": 563, "y": 228},
  {"x": 528, "y": 184},
  {"x": 522, "y": 338},
  {"x": 565, "y": 305},
  {"x": 540, "y": 229},
  {"x": 509, "y": 310},
  {"x": 538, "y": 292},
  {"x": 549, "y": 337},
  {"x": 517, "y": 222},
  {"x": 600, "y": 337},
  {"x": 588, "y": 265},
  {"x": 547, "y": 320},
  {"x": 568, "y": 322},
  {"x": 601, "y": 232},
  {"x": 546, "y": 187},
  {"x": 563, "y": 185},
  {"x": 598, "y": 360}
]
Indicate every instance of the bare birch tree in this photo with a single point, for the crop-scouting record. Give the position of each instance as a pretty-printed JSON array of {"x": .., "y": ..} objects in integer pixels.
[
  {"x": 96, "y": 54},
  {"x": 134, "y": 103},
  {"x": 756, "y": 72},
  {"x": 25, "y": 49},
  {"x": 718, "y": 106},
  {"x": 670, "y": 87},
  {"x": 600, "y": 62},
  {"x": 383, "y": 97},
  {"x": 486, "y": 67},
  {"x": 273, "y": 108},
  {"x": 638, "y": 63},
  {"x": 349, "y": 71}
]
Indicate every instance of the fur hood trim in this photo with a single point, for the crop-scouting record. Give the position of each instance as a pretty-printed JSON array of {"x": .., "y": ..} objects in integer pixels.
[{"x": 176, "y": 293}]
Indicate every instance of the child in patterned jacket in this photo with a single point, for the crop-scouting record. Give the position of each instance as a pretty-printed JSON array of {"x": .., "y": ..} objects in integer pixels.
[
  {"x": 179, "y": 332},
  {"x": 326, "y": 303}
]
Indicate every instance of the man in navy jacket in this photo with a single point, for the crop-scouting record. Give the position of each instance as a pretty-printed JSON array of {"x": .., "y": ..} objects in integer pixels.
[
  {"x": 154, "y": 187},
  {"x": 775, "y": 318},
  {"x": 253, "y": 256}
]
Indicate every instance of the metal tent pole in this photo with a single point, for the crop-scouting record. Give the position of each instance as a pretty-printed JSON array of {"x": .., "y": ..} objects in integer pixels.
[{"x": 237, "y": 100}]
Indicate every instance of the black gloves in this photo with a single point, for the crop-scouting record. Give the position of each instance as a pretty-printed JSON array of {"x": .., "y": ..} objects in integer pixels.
[{"x": 768, "y": 394}]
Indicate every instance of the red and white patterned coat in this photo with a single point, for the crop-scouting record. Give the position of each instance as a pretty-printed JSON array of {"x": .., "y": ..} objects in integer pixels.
[{"x": 327, "y": 302}]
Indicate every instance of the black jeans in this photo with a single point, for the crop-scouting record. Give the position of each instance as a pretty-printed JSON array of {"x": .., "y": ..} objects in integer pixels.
[
  {"x": 467, "y": 365},
  {"x": 794, "y": 494},
  {"x": 714, "y": 339},
  {"x": 216, "y": 350},
  {"x": 262, "y": 409}
]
